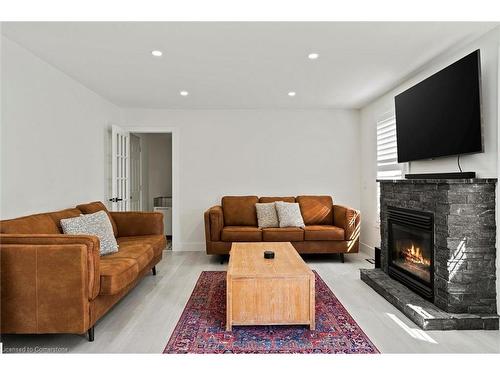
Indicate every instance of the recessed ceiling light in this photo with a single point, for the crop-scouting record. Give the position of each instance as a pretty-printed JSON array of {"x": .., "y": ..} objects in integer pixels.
[
  {"x": 184, "y": 93},
  {"x": 156, "y": 53},
  {"x": 313, "y": 56},
  {"x": 292, "y": 93}
]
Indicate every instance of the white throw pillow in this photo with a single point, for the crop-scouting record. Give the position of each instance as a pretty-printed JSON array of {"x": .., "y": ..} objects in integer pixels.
[
  {"x": 267, "y": 217},
  {"x": 289, "y": 215},
  {"x": 96, "y": 224}
]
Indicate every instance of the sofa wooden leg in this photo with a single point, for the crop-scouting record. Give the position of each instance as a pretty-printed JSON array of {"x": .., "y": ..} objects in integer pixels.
[
  {"x": 154, "y": 270},
  {"x": 342, "y": 257},
  {"x": 91, "y": 334}
]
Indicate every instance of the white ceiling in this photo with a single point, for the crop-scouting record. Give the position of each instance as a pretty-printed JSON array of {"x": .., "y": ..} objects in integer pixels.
[{"x": 240, "y": 65}]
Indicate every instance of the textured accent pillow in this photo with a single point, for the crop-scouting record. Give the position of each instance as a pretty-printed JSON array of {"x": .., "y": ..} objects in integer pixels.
[
  {"x": 96, "y": 224},
  {"x": 289, "y": 215},
  {"x": 267, "y": 217}
]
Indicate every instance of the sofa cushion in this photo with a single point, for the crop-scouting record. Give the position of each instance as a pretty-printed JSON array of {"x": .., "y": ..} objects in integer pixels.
[
  {"x": 241, "y": 234},
  {"x": 57, "y": 216},
  {"x": 156, "y": 241},
  {"x": 282, "y": 234},
  {"x": 33, "y": 224},
  {"x": 289, "y": 214},
  {"x": 323, "y": 233},
  {"x": 276, "y": 199},
  {"x": 117, "y": 274},
  {"x": 141, "y": 253},
  {"x": 93, "y": 207},
  {"x": 240, "y": 210},
  {"x": 96, "y": 224},
  {"x": 267, "y": 217},
  {"x": 316, "y": 209}
]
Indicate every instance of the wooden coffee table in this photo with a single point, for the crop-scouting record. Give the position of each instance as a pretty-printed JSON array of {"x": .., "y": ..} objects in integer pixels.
[{"x": 269, "y": 291}]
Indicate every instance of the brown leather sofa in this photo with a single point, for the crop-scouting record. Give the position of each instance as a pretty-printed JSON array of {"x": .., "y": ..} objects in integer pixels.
[
  {"x": 57, "y": 283},
  {"x": 328, "y": 228}
]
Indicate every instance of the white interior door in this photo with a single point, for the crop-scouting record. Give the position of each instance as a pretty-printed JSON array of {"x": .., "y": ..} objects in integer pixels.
[
  {"x": 120, "y": 169},
  {"x": 135, "y": 174}
]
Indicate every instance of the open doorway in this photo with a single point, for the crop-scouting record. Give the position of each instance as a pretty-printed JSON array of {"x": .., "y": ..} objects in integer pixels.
[
  {"x": 151, "y": 176},
  {"x": 143, "y": 174}
]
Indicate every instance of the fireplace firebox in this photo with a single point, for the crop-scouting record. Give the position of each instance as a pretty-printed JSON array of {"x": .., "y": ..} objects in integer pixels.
[{"x": 411, "y": 249}]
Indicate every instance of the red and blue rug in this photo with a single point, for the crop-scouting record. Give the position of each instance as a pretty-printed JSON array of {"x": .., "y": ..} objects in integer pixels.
[{"x": 201, "y": 327}]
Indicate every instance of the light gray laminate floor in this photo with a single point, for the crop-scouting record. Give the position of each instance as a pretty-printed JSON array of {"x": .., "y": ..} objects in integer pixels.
[{"x": 143, "y": 321}]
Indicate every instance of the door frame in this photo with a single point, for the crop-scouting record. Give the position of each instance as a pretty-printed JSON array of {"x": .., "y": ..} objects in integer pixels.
[
  {"x": 141, "y": 205},
  {"x": 175, "y": 173}
]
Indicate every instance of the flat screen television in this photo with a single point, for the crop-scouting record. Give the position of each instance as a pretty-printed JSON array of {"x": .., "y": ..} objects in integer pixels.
[{"x": 441, "y": 115}]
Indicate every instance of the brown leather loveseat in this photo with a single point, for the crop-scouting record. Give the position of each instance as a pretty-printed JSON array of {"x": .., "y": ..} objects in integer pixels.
[
  {"x": 328, "y": 228},
  {"x": 57, "y": 283}
]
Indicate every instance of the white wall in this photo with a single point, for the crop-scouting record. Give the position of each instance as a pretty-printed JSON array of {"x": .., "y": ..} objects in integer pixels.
[
  {"x": 56, "y": 154},
  {"x": 261, "y": 152},
  {"x": 55, "y": 148},
  {"x": 485, "y": 164},
  {"x": 156, "y": 166},
  {"x": 53, "y": 136}
]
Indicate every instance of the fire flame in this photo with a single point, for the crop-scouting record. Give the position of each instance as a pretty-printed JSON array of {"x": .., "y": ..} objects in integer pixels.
[{"x": 415, "y": 255}]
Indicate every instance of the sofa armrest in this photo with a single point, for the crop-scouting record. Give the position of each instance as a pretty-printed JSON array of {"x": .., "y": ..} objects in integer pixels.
[
  {"x": 47, "y": 282},
  {"x": 214, "y": 222},
  {"x": 91, "y": 243},
  {"x": 349, "y": 219},
  {"x": 138, "y": 223}
]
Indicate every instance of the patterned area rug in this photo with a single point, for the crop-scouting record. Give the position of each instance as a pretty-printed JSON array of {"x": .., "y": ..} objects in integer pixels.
[{"x": 201, "y": 327}]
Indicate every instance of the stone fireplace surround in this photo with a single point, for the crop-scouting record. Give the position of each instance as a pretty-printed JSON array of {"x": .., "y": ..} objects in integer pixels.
[{"x": 464, "y": 252}]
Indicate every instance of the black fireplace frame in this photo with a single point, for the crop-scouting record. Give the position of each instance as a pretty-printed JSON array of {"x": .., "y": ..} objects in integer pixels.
[{"x": 423, "y": 221}]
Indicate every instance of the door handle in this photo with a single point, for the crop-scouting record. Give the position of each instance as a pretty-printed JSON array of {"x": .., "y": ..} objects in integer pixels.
[{"x": 114, "y": 200}]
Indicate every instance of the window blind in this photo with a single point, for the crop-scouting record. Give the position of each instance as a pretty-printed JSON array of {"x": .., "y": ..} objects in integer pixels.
[{"x": 387, "y": 149}]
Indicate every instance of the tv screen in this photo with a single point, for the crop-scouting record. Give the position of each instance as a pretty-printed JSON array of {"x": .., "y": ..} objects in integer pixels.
[{"x": 441, "y": 115}]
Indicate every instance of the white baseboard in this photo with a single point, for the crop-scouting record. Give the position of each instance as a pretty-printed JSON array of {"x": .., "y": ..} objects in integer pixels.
[
  {"x": 367, "y": 249},
  {"x": 189, "y": 246}
]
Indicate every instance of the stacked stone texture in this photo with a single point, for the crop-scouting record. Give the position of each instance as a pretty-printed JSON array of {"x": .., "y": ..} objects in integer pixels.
[{"x": 464, "y": 238}]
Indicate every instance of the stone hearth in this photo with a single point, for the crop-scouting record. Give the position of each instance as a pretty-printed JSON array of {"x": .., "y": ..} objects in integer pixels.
[{"x": 464, "y": 252}]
